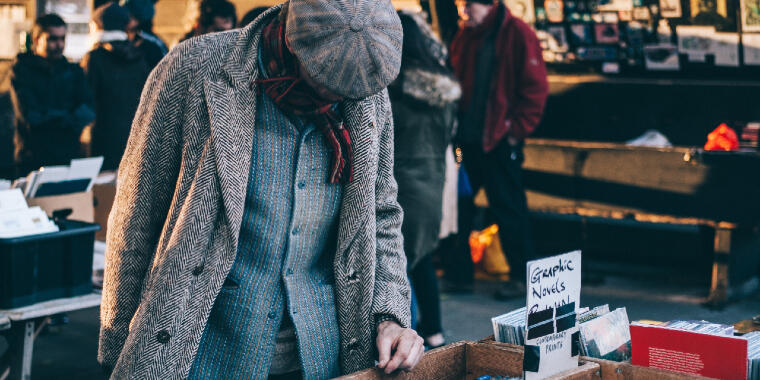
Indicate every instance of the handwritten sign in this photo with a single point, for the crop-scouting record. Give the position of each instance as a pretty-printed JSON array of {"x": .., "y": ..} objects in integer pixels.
[{"x": 553, "y": 297}]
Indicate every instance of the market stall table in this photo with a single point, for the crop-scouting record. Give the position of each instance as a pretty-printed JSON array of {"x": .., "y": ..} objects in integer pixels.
[{"x": 20, "y": 326}]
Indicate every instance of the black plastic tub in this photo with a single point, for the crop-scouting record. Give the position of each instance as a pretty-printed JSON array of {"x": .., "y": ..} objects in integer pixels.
[{"x": 42, "y": 267}]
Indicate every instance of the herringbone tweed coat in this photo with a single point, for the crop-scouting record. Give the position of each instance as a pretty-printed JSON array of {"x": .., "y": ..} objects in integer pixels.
[{"x": 173, "y": 232}]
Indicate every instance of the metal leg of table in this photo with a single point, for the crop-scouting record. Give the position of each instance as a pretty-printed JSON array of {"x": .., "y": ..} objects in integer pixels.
[
  {"x": 21, "y": 348},
  {"x": 722, "y": 254}
]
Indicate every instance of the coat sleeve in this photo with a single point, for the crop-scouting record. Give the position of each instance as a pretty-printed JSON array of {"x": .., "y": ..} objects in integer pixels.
[
  {"x": 392, "y": 295},
  {"x": 532, "y": 86},
  {"x": 146, "y": 182}
]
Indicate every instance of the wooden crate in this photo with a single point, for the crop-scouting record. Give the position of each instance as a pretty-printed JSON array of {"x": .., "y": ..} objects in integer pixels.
[
  {"x": 611, "y": 370},
  {"x": 470, "y": 360}
]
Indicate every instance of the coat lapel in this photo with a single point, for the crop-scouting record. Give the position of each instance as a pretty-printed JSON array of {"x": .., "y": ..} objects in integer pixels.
[
  {"x": 358, "y": 195},
  {"x": 231, "y": 101}
]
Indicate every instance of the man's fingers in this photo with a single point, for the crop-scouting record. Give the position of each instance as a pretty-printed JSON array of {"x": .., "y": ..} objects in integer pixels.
[
  {"x": 418, "y": 351},
  {"x": 403, "y": 351},
  {"x": 384, "y": 345}
]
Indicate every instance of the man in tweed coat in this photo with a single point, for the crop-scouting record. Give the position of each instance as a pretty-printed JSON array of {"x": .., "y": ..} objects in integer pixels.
[{"x": 210, "y": 271}]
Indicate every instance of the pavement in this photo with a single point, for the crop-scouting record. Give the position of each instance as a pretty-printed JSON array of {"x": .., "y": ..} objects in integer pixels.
[{"x": 71, "y": 352}]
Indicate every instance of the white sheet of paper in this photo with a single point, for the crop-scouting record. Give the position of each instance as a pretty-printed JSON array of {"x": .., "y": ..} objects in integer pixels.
[
  {"x": 12, "y": 200},
  {"x": 85, "y": 168},
  {"x": 49, "y": 174},
  {"x": 553, "y": 282}
]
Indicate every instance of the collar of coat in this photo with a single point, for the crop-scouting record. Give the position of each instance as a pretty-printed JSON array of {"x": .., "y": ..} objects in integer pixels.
[{"x": 231, "y": 99}]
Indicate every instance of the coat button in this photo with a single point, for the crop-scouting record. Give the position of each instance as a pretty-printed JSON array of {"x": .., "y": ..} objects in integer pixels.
[
  {"x": 272, "y": 315},
  {"x": 163, "y": 337},
  {"x": 289, "y": 272},
  {"x": 301, "y": 185},
  {"x": 198, "y": 270}
]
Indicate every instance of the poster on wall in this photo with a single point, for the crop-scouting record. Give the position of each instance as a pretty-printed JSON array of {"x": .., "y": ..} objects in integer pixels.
[
  {"x": 553, "y": 300},
  {"x": 554, "y": 10},
  {"x": 641, "y": 14},
  {"x": 663, "y": 56},
  {"x": 708, "y": 7},
  {"x": 695, "y": 41},
  {"x": 670, "y": 8},
  {"x": 751, "y": 43},
  {"x": 615, "y": 5},
  {"x": 725, "y": 47},
  {"x": 580, "y": 34},
  {"x": 750, "y": 13},
  {"x": 606, "y": 33},
  {"x": 559, "y": 38},
  {"x": 522, "y": 9}
]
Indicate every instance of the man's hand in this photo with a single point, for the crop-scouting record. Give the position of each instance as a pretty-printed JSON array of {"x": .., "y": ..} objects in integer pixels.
[{"x": 406, "y": 346}]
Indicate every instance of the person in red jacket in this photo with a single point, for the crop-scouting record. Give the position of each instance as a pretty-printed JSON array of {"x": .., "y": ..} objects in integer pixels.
[{"x": 497, "y": 59}]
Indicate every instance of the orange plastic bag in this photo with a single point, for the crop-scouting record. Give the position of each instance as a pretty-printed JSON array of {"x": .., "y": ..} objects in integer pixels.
[
  {"x": 487, "y": 253},
  {"x": 722, "y": 138}
]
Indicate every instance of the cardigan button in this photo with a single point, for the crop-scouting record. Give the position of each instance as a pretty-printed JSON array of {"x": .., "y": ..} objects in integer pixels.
[{"x": 163, "y": 337}]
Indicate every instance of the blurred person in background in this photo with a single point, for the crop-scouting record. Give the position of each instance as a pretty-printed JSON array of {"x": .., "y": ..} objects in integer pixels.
[
  {"x": 214, "y": 16},
  {"x": 498, "y": 61},
  {"x": 140, "y": 30},
  {"x": 423, "y": 98},
  {"x": 51, "y": 98},
  {"x": 251, "y": 15},
  {"x": 116, "y": 70}
]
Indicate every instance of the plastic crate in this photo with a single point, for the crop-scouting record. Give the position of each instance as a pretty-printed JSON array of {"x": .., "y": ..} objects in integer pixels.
[{"x": 42, "y": 267}]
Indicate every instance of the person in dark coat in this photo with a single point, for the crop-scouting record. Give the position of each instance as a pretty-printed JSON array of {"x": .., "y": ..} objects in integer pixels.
[
  {"x": 117, "y": 71},
  {"x": 51, "y": 100},
  {"x": 423, "y": 99},
  {"x": 498, "y": 60},
  {"x": 140, "y": 30}
]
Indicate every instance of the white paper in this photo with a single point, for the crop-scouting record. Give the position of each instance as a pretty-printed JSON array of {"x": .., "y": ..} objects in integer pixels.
[
  {"x": 5, "y": 184},
  {"x": 85, "y": 168},
  {"x": 553, "y": 282},
  {"x": 47, "y": 174},
  {"x": 751, "y": 44},
  {"x": 12, "y": 200}
]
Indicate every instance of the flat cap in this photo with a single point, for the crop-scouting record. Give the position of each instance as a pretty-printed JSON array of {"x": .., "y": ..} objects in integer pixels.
[{"x": 351, "y": 47}]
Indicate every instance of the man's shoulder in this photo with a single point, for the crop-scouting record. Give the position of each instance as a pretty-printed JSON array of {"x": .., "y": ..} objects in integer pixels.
[
  {"x": 519, "y": 27},
  {"x": 206, "y": 47}
]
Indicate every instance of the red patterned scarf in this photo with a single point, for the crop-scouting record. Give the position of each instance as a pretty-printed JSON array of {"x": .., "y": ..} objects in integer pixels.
[{"x": 287, "y": 88}]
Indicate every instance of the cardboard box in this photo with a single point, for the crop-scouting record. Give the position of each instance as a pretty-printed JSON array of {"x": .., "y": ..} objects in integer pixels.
[
  {"x": 470, "y": 360},
  {"x": 104, "y": 196},
  {"x": 620, "y": 370},
  {"x": 80, "y": 204}
]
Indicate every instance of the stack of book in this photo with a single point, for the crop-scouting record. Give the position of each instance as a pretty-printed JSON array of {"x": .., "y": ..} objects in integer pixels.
[
  {"x": 510, "y": 327},
  {"x": 701, "y": 326},
  {"x": 750, "y": 136},
  {"x": 753, "y": 355}
]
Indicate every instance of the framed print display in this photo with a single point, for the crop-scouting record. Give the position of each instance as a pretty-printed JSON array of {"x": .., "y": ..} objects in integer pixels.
[
  {"x": 670, "y": 8},
  {"x": 750, "y": 13},
  {"x": 606, "y": 33}
]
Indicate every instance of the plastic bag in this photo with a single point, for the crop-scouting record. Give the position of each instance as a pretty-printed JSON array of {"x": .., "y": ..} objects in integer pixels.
[
  {"x": 722, "y": 138},
  {"x": 486, "y": 251}
]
